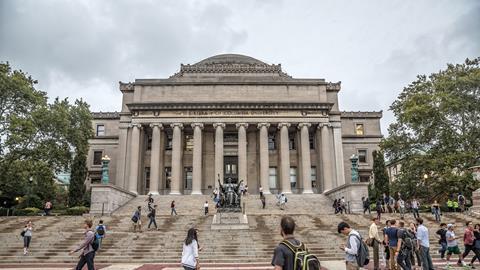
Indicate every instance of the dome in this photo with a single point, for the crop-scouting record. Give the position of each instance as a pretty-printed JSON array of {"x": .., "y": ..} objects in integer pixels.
[{"x": 231, "y": 59}]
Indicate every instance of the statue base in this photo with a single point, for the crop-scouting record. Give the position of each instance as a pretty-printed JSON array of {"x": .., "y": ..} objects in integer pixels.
[{"x": 229, "y": 221}]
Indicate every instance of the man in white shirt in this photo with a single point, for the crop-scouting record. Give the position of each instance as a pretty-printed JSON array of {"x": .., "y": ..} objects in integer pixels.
[
  {"x": 424, "y": 245},
  {"x": 376, "y": 240}
]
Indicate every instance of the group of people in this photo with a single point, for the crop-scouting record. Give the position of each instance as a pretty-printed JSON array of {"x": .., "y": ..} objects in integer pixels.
[
  {"x": 340, "y": 205},
  {"x": 152, "y": 214}
]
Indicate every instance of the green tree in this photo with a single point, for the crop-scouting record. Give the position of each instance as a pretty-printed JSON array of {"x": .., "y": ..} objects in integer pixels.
[
  {"x": 436, "y": 136},
  {"x": 380, "y": 176}
]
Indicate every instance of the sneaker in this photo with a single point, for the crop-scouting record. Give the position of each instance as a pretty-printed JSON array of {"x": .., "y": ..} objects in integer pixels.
[{"x": 471, "y": 266}]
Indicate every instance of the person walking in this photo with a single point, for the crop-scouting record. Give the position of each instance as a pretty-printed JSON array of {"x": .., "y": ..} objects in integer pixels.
[
  {"x": 351, "y": 247},
  {"x": 461, "y": 202},
  {"x": 401, "y": 207},
  {"x": 366, "y": 205},
  {"x": 190, "y": 251},
  {"x": 152, "y": 217},
  {"x": 262, "y": 199},
  {"x": 260, "y": 190},
  {"x": 88, "y": 253},
  {"x": 100, "y": 232},
  {"x": 47, "y": 208},
  {"x": 283, "y": 201},
  {"x": 416, "y": 249},
  {"x": 442, "y": 239},
  {"x": 375, "y": 240},
  {"x": 415, "y": 206},
  {"x": 452, "y": 246},
  {"x": 476, "y": 232},
  {"x": 386, "y": 251},
  {"x": 436, "y": 211},
  {"x": 469, "y": 242},
  {"x": 205, "y": 207},
  {"x": 172, "y": 208},
  {"x": 283, "y": 256},
  {"x": 424, "y": 245},
  {"x": 137, "y": 219},
  {"x": 378, "y": 207},
  {"x": 391, "y": 239},
  {"x": 150, "y": 202},
  {"x": 27, "y": 236},
  {"x": 404, "y": 247}
]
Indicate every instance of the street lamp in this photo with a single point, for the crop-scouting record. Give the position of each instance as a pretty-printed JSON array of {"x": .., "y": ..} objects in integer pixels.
[
  {"x": 425, "y": 176},
  {"x": 105, "y": 162}
]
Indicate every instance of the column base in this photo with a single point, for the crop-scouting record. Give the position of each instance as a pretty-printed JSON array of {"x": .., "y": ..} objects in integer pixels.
[
  {"x": 196, "y": 193},
  {"x": 307, "y": 192},
  {"x": 267, "y": 192},
  {"x": 287, "y": 192},
  {"x": 154, "y": 193},
  {"x": 174, "y": 193}
]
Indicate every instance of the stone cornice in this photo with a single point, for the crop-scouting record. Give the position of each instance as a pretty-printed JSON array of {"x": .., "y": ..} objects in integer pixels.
[
  {"x": 126, "y": 87},
  {"x": 223, "y": 105},
  {"x": 360, "y": 114},
  {"x": 334, "y": 86},
  {"x": 230, "y": 81},
  {"x": 105, "y": 115}
]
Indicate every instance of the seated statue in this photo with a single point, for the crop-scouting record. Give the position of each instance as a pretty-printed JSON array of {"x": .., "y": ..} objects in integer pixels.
[{"x": 230, "y": 195}]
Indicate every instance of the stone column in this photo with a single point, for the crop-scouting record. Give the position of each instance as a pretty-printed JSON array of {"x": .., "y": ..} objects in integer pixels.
[
  {"x": 197, "y": 158},
  {"x": 218, "y": 151},
  {"x": 122, "y": 180},
  {"x": 284, "y": 158},
  {"x": 264, "y": 162},
  {"x": 305, "y": 151},
  {"x": 134, "y": 158},
  {"x": 242, "y": 152},
  {"x": 176, "y": 158},
  {"x": 338, "y": 148},
  {"x": 155, "y": 158},
  {"x": 326, "y": 157}
]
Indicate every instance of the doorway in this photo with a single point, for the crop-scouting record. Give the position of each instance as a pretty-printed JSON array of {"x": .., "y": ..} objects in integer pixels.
[{"x": 230, "y": 168}]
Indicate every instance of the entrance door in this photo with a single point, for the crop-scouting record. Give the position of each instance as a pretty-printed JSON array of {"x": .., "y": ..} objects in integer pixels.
[{"x": 230, "y": 168}]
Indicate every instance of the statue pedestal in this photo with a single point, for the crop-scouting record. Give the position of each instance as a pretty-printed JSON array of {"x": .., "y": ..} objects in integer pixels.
[
  {"x": 230, "y": 221},
  {"x": 475, "y": 202}
]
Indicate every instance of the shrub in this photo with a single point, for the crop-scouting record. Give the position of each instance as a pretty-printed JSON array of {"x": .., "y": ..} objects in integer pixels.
[
  {"x": 77, "y": 210},
  {"x": 30, "y": 211}
]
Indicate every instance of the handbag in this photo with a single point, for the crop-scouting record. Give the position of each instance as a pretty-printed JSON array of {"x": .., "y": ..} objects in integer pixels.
[
  {"x": 22, "y": 234},
  {"x": 370, "y": 242}
]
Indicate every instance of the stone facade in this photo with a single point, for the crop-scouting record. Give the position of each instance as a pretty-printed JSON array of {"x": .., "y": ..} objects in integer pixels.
[{"x": 232, "y": 116}]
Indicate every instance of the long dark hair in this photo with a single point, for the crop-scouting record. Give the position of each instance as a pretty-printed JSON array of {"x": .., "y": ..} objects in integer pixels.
[{"x": 191, "y": 235}]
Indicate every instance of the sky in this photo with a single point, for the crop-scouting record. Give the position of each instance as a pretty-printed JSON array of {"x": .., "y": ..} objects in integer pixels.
[{"x": 81, "y": 49}]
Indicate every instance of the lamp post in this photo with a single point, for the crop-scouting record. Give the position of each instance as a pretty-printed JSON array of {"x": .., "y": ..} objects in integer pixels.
[
  {"x": 105, "y": 162},
  {"x": 354, "y": 161}
]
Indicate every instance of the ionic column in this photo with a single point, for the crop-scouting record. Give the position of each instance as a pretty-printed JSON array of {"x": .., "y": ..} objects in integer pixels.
[
  {"x": 326, "y": 157},
  {"x": 264, "y": 162},
  {"x": 176, "y": 158},
  {"x": 284, "y": 158},
  {"x": 155, "y": 158},
  {"x": 305, "y": 151},
  {"x": 242, "y": 152},
  {"x": 338, "y": 145},
  {"x": 134, "y": 158},
  {"x": 197, "y": 158},
  {"x": 218, "y": 151}
]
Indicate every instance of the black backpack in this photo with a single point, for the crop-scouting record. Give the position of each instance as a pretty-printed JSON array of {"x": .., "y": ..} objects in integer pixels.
[
  {"x": 362, "y": 252},
  {"x": 303, "y": 260},
  {"x": 101, "y": 230},
  {"x": 95, "y": 243},
  {"x": 408, "y": 240}
]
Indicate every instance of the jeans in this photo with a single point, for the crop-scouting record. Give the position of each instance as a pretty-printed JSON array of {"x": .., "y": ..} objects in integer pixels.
[
  {"x": 26, "y": 241},
  {"x": 351, "y": 266},
  {"x": 86, "y": 259},
  {"x": 469, "y": 248},
  {"x": 426, "y": 259},
  {"x": 188, "y": 268},
  {"x": 403, "y": 259},
  {"x": 402, "y": 212},
  {"x": 415, "y": 213},
  {"x": 436, "y": 212},
  {"x": 152, "y": 221},
  {"x": 376, "y": 262},
  {"x": 393, "y": 263},
  {"x": 173, "y": 211},
  {"x": 443, "y": 249}
]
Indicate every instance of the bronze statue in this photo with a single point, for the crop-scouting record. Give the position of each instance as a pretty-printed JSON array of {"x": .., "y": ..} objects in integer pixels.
[{"x": 230, "y": 196}]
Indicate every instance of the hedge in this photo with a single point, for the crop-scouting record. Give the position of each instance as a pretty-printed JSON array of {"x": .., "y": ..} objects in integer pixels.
[{"x": 77, "y": 210}]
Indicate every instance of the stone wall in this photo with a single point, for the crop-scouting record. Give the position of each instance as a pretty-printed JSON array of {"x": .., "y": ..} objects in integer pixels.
[
  {"x": 108, "y": 197},
  {"x": 353, "y": 194}
]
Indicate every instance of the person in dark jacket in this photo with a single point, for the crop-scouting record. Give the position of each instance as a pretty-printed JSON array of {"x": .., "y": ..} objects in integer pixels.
[{"x": 88, "y": 254}]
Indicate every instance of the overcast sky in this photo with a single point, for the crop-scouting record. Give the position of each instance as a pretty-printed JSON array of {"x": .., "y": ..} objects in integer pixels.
[{"x": 83, "y": 48}]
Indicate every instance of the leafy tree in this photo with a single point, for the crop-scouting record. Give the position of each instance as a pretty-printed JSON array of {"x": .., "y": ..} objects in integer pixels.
[
  {"x": 436, "y": 136},
  {"x": 380, "y": 176}
]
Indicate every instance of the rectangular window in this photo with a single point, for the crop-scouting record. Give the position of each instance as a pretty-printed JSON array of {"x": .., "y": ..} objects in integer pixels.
[
  {"x": 292, "y": 142},
  {"x": 168, "y": 177},
  {"x": 359, "y": 130},
  {"x": 313, "y": 176},
  {"x": 188, "y": 178},
  {"x": 271, "y": 142},
  {"x": 100, "y": 130},
  {"x": 293, "y": 177},
  {"x": 311, "y": 139},
  {"x": 362, "y": 156},
  {"x": 149, "y": 142},
  {"x": 364, "y": 178},
  {"x": 147, "y": 179},
  {"x": 230, "y": 137},
  {"x": 272, "y": 177},
  {"x": 189, "y": 142},
  {"x": 97, "y": 157},
  {"x": 168, "y": 141}
]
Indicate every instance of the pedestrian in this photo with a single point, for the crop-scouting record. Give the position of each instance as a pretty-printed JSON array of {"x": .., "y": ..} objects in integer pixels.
[
  {"x": 205, "y": 207},
  {"x": 469, "y": 242},
  {"x": 384, "y": 202},
  {"x": 100, "y": 232},
  {"x": 260, "y": 190},
  {"x": 190, "y": 251},
  {"x": 137, "y": 219},
  {"x": 351, "y": 247},
  {"x": 461, "y": 202},
  {"x": 476, "y": 232},
  {"x": 343, "y": 205},
  {"x": 401, "y": 207},
  {"x": 149, "y": 201},
  {"x": 283, "y": 201},
  {"x": 335, "y": 208},
  {"x": 88, "y": 253},
  {"x": 246, "y": 190},
  {"x": 436, "y": 211},
  {"x": 386, "y": 250},
  {"x": 374, "y": 237},
  {"x": 391, "y": 238},
  {"x": 47, "y": 208},
  {"x": 152, "y": 217},
  {"x": 415, "y": 206},
  {"x": 455, "y": 206},
  {"x": 442, "y": 239},
  {"x": 390, "y": 204},
  {"x": 366, "y": 205},
  {"x": 27, "y": 236},
  {"x": 450, "y": 205},
  {"x": 424, "y": 245},
  {"x": 283, "y": 255},
  {"x": 262, "y": 198},
  {"x": 452, "y": 246},
  {"x": 172, "y": 207},
  {"x": 379, "y": 209},
  {"x": 404, "y": 246},
  {"x": 242, "y": 189},
  {"x": 415, "y": 251}
]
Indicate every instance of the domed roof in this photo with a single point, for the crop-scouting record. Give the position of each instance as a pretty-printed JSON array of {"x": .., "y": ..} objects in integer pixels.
[{"x": 230, "y": 59}]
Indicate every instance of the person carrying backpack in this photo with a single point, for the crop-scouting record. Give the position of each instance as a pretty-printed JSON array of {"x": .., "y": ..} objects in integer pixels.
[
  {"x": 356, "y": 251},
  {"x": 291, "y": 254},
  {"x": 461, "y": 202},
  {"x": 137, "y": 219},
  {"x": 100, "y": 231},
  {"x": 88, "y": 247},
  {"x": 404, "y": 246}
]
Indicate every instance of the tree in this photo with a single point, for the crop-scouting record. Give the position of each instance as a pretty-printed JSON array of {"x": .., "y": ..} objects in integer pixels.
[
  {"x": 380, "y": 175},
  {"x": 436, "y": 136}
]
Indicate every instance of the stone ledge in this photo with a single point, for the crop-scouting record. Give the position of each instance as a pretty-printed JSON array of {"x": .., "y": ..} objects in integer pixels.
[
  {"x": 353, "y": 193},
  {"x": 106, "y": 198}
]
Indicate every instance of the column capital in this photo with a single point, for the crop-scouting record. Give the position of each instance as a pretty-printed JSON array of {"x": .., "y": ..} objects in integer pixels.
[
  {"x": 222, "y": 125},
  {"x": 137, "y": 125},
  {"x": 301, "y": 125},
  {"x": 173, "y": 125},
  {"x": 320, "y": 125},
  {"x": 238, "y": 125},
  {"x": 260, "y": 125},
  {"x": 280, "y": 125},
  {"x": 159, "y": 125},
  {"x": 194, "y": 125}
]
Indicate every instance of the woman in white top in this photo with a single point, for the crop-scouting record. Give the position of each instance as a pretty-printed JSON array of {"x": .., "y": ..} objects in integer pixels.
[
  {"x": 27, "y": 236},
  {"x": 190, "y": 251}
]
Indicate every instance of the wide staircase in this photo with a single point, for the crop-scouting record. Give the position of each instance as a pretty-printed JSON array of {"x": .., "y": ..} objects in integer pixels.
[{"x": 316, "y": 227}]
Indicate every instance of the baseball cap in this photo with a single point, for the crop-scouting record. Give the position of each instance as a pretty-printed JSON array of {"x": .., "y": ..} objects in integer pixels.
[{"x": 449, "y": 225}]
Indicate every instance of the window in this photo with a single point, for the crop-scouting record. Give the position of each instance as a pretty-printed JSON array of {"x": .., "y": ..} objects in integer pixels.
[
  {"x": 311, "y": 139},
  {"x": 100, "y": 130},
  {"x": 230, "y": 168},
  {"x": 291, "y": 142},
  {"x": 362, "y": 156},
  {"x": 168, "y": 177},
  {"x": 359, "y": 130},
  {"x": 147, "y": 179},
  {"x": 189, "y": 142},
  {"x": 272, "y": 177},
  {"x": 149, "y": 142},
  {"x": 97, "y": 157},
  {"x": 293, "y": 177},
  {"x": 364, "y": 178},
  {"x": 168, "y": 141},
  {"x": 271, "y": 142},
  {"x": 313, "y": 176},
  {"x": 230, "y": 137},
  {"x": 188, "y": 178}
]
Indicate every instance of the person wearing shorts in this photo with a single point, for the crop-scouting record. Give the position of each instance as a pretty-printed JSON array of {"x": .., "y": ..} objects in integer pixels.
[{"x": 452, "y": 245}]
